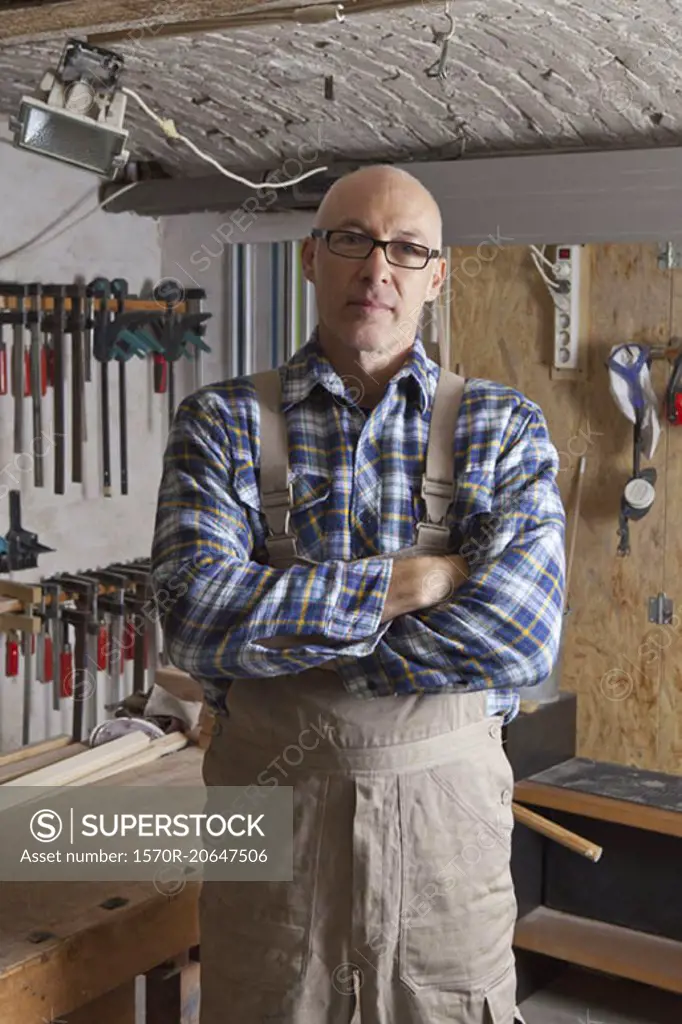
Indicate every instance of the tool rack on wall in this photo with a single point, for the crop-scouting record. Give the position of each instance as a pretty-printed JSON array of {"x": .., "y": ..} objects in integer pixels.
[{"x": 107, "y": 326}]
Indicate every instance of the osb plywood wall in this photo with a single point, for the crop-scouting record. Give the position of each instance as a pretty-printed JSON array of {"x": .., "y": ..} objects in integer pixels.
[{"x": 626, "y": 671}]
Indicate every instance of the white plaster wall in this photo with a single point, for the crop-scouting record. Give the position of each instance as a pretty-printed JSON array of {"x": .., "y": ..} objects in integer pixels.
[{"x": 86, "y": 529}]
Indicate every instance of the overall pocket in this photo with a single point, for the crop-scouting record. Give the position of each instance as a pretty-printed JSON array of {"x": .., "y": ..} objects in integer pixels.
[{"x": 458, "y": 907}]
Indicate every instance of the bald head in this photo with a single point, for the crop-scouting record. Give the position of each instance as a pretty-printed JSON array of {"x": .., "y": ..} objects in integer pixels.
[
  {"x": 371, "y": 303},
  {"x": 383, "y": 190}
]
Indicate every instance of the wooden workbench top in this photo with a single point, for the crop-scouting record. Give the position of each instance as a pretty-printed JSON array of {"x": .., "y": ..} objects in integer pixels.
[{"x": 64, "y": 944}]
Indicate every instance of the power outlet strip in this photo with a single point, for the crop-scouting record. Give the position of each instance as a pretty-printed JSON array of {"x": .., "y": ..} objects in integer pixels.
[{"x": 567, "y": 318}]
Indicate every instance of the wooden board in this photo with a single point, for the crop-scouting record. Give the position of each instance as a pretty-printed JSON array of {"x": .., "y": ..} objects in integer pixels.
[
  {"x": 589, "y": 805},
  {"x": 618, "y": 782},
  {"x": 502, "y": 329},
  {"x": 609, "y": 662},
  {"x": 33, "y": 749},
  {"x": 182, "y": 768},
  {"x": 85, "y": 763},
  {"x": 602, "y": 947},
  {"x": 16, "y": 769},
  {"x": 670, "y": 637}
]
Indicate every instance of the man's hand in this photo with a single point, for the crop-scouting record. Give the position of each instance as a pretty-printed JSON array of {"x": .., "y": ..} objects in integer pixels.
[{"x": 418, "y": 583}]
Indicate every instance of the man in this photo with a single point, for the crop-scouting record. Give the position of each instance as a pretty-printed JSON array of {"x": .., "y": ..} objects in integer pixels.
[{"x": 288, "y": 508}]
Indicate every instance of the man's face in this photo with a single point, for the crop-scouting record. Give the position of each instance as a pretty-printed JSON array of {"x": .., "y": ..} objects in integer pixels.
[{"x": 369, "y": 304}]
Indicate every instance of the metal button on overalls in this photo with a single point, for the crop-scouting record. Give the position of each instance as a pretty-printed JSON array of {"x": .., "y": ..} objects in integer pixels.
[{"x": 401, "y": 909}]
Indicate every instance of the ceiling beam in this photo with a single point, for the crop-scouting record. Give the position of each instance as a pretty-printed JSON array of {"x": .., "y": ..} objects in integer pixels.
[
  {"x": 303, "y": 13},
  {"x": 616, "y": 196},
  {"x": 26, "y": 20},
  {"x": 131, "y": 20}
]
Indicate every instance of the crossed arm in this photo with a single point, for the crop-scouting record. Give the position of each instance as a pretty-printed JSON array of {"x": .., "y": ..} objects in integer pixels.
[{"x": 225, "y": 615}]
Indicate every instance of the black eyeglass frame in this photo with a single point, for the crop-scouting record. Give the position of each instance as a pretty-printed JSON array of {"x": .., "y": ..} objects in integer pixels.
[{"x": 431, "y": 254}]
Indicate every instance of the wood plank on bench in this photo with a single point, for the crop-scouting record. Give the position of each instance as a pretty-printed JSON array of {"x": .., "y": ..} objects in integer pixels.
[
  {"x": 603, "y": 947},
  {"x": 589, "y": 805}
]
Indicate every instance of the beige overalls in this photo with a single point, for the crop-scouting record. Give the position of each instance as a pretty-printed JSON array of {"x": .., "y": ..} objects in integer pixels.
[{"x": 401, "y": 909}]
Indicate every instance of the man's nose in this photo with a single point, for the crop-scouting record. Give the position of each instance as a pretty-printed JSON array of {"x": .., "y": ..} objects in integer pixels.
[{"x": 376, "y": 267}]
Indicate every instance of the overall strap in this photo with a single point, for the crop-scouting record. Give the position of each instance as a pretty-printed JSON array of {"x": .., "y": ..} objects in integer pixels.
[
  {"x": 438, "y": 483},
  {"x": 275, "y": 490}
]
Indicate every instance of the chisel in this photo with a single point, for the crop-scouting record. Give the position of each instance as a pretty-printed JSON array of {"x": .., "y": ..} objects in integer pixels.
[
  {"x": 38, "y": 376},
  {"x": 76, "y": 327},
  {"x": 18, "y": 381},
  {"x": 87, "y": 336},
  {"x": 100, "y": 289},
  {"x": 57, "y": 320},
  {"x": 119, "y": 288}
]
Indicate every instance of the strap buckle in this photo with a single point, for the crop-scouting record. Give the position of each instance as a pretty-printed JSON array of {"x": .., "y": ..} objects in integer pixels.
[
  {"x": 432, "y": 537},
  {"x": 276, "y": 499},
  {"x": 437, "y": 488},
  {"x": 277, "y": 507},
  {"x": 438, "y": 495}
]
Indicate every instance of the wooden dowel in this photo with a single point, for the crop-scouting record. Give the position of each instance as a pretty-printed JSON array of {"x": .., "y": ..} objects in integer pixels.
[{"x": 556, "y": 832}]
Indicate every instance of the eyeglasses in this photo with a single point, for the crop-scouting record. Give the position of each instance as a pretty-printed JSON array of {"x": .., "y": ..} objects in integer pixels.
[{"x": 356, "y": 246}]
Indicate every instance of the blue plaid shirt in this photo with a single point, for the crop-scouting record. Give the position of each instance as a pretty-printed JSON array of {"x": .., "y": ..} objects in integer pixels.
[{"x": 356, "y": 482}]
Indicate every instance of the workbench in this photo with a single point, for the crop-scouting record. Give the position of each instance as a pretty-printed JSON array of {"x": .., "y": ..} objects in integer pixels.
[{"x": 70, "y": 951}]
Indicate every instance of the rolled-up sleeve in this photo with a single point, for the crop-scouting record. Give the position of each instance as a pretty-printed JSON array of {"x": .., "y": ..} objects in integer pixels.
[{"x": 216, "y": 603}]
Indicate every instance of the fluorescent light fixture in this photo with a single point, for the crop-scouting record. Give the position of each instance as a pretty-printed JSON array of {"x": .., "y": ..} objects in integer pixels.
[{"x": 77, "y": 116}]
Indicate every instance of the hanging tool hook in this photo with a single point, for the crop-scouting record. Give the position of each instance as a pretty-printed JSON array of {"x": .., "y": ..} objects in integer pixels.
[{"x": 439, "y": 67}]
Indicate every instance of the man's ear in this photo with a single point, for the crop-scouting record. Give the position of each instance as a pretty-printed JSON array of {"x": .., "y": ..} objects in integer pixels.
[
  {"x": 308, "y": 259},
  {"x": 438, "y": 276}
]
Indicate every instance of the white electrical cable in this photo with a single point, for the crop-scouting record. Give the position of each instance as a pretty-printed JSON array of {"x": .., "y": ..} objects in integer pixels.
[
  {"x": 41, "y": 234},
  {"x": 40, "y": 237},
  {"x": 167, "y": 125},
  {"x": 541, "y": 254},
  {"x": 552, "y": 285}
]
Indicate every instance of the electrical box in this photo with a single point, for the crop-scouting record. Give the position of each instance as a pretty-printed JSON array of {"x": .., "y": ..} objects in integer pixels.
[{"x": 569, "y": 303}]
